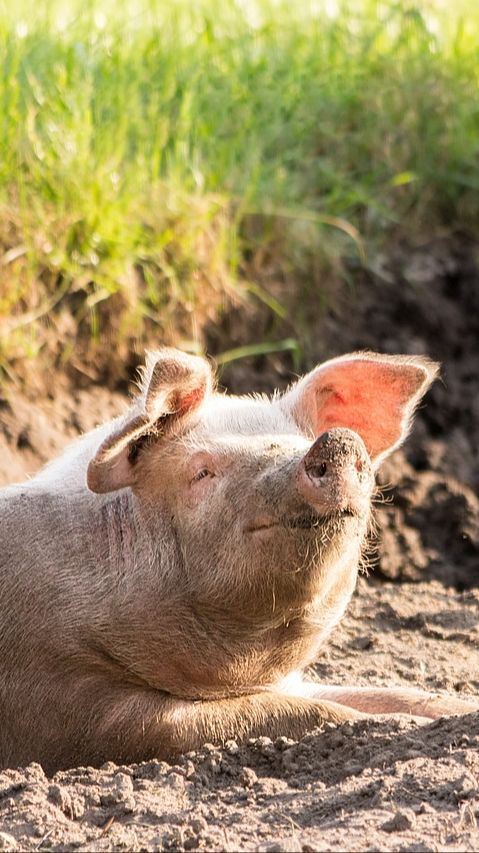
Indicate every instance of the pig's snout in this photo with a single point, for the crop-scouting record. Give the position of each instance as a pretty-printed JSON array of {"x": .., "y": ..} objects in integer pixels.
[{"x": 336, "y": 474}]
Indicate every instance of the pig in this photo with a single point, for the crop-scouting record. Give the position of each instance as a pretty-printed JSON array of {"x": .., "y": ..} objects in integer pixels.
[{"x": 166, "y": 580}]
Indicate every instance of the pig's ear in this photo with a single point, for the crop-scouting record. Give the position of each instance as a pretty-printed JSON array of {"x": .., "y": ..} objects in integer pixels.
[
  {"x": 173, "y": 386},
  {"x": 374, "y": 395}
]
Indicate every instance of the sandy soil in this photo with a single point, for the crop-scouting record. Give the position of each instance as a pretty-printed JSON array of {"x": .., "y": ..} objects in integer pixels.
[{"x": 369, "y": 786}]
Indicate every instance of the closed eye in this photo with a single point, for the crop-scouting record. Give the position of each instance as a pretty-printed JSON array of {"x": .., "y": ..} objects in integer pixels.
[{"x": 201, "y": 474}]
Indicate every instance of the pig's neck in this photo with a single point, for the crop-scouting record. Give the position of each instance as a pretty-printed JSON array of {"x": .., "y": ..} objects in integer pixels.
[{"x": 168, "y": 634}]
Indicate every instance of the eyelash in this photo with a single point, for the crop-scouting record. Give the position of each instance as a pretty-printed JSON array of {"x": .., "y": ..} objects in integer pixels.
[{"x": 201, "y": 475}]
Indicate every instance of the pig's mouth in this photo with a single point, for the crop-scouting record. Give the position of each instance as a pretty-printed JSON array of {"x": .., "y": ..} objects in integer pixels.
[
  {"x": 303, "y": 522},
  {"x": 307, "y": 522}
]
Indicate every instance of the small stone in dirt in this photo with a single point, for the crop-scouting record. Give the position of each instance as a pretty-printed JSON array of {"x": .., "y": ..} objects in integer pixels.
[
  {"x": 466, "y": 788},
  {"x": 7, "y": 842},
  {"x": 120, "y": 792},
  {"x": 177, "y": 768},
  {"x": 109, "y": 767},
  {"x": 398, "y": 823},
  {"x": 424, "y": 808},
  {"x": 412, "y": 754},
  {"x": 174, "y": 839},
  {"x": 283, "y": 743},
  {"x": 161, "y": 769},
  {"x": 248, "y": 777},
  {"x": 264, "y": 744},
  {"x": 72, "y": 807},
  {"x": 270, "y": 752},
  {"x": 352, "y": 768},
  {"x": 290, "y": 759},
  {"x": 176, "y": 780},
  {"x": 198, "y": 824},
  {"x": 362, "y": 643},
  {"x": 286, "y": 845},
  {"x": 212, "y": 764},
  {"x": 34, "y": 772},
  {"x": 58, "y": 796},
  {"x": 189, "y": 769},
  {"x": 231, "y": 747}
]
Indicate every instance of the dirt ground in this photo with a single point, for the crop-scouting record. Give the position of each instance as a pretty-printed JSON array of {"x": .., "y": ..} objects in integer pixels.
[{"x": 368, "y": 786}]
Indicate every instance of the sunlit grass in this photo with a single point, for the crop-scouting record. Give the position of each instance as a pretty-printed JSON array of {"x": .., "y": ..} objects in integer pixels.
[{"x": 140, "y": 140}]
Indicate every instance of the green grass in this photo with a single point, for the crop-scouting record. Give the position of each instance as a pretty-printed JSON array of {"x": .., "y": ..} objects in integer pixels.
[{"x": 157, "y": 155}]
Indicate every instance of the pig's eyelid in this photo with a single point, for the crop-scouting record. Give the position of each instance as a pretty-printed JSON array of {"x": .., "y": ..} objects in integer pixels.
[{"x": 204, "y": 472}]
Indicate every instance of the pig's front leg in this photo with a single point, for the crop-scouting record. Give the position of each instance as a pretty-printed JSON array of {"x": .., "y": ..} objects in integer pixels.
[
  {"x": 390, "y": 700},
  {"x": 147, "y": 726},
  {"x": 271, "y": 714}
]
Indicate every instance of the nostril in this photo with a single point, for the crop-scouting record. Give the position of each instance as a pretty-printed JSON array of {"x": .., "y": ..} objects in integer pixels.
[
  {"x": 359, "y": 466},
  {"x": 318, "y": 471}
]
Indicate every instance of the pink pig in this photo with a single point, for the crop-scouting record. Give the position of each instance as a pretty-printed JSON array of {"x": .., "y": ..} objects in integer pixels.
[{"x": 166, "y": 580}]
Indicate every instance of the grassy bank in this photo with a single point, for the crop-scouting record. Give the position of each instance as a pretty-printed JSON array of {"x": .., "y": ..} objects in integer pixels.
[{"x": 160, "y": 158}]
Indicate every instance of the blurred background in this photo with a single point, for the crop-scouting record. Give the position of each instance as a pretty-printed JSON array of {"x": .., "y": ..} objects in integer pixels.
[{"x": 269, "y": 182}]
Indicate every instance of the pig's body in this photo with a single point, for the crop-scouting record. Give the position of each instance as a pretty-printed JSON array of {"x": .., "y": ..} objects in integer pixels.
[{"x": 174, "y": 603}]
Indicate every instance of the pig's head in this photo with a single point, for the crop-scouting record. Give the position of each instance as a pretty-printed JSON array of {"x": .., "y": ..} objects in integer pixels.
[{"x": 267, "y": 500}]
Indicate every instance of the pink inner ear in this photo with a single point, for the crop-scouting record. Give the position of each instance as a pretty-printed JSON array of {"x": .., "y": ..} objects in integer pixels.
[
  {"x": 191, "y": 400},
  {"x": 372, "y": 398}
]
